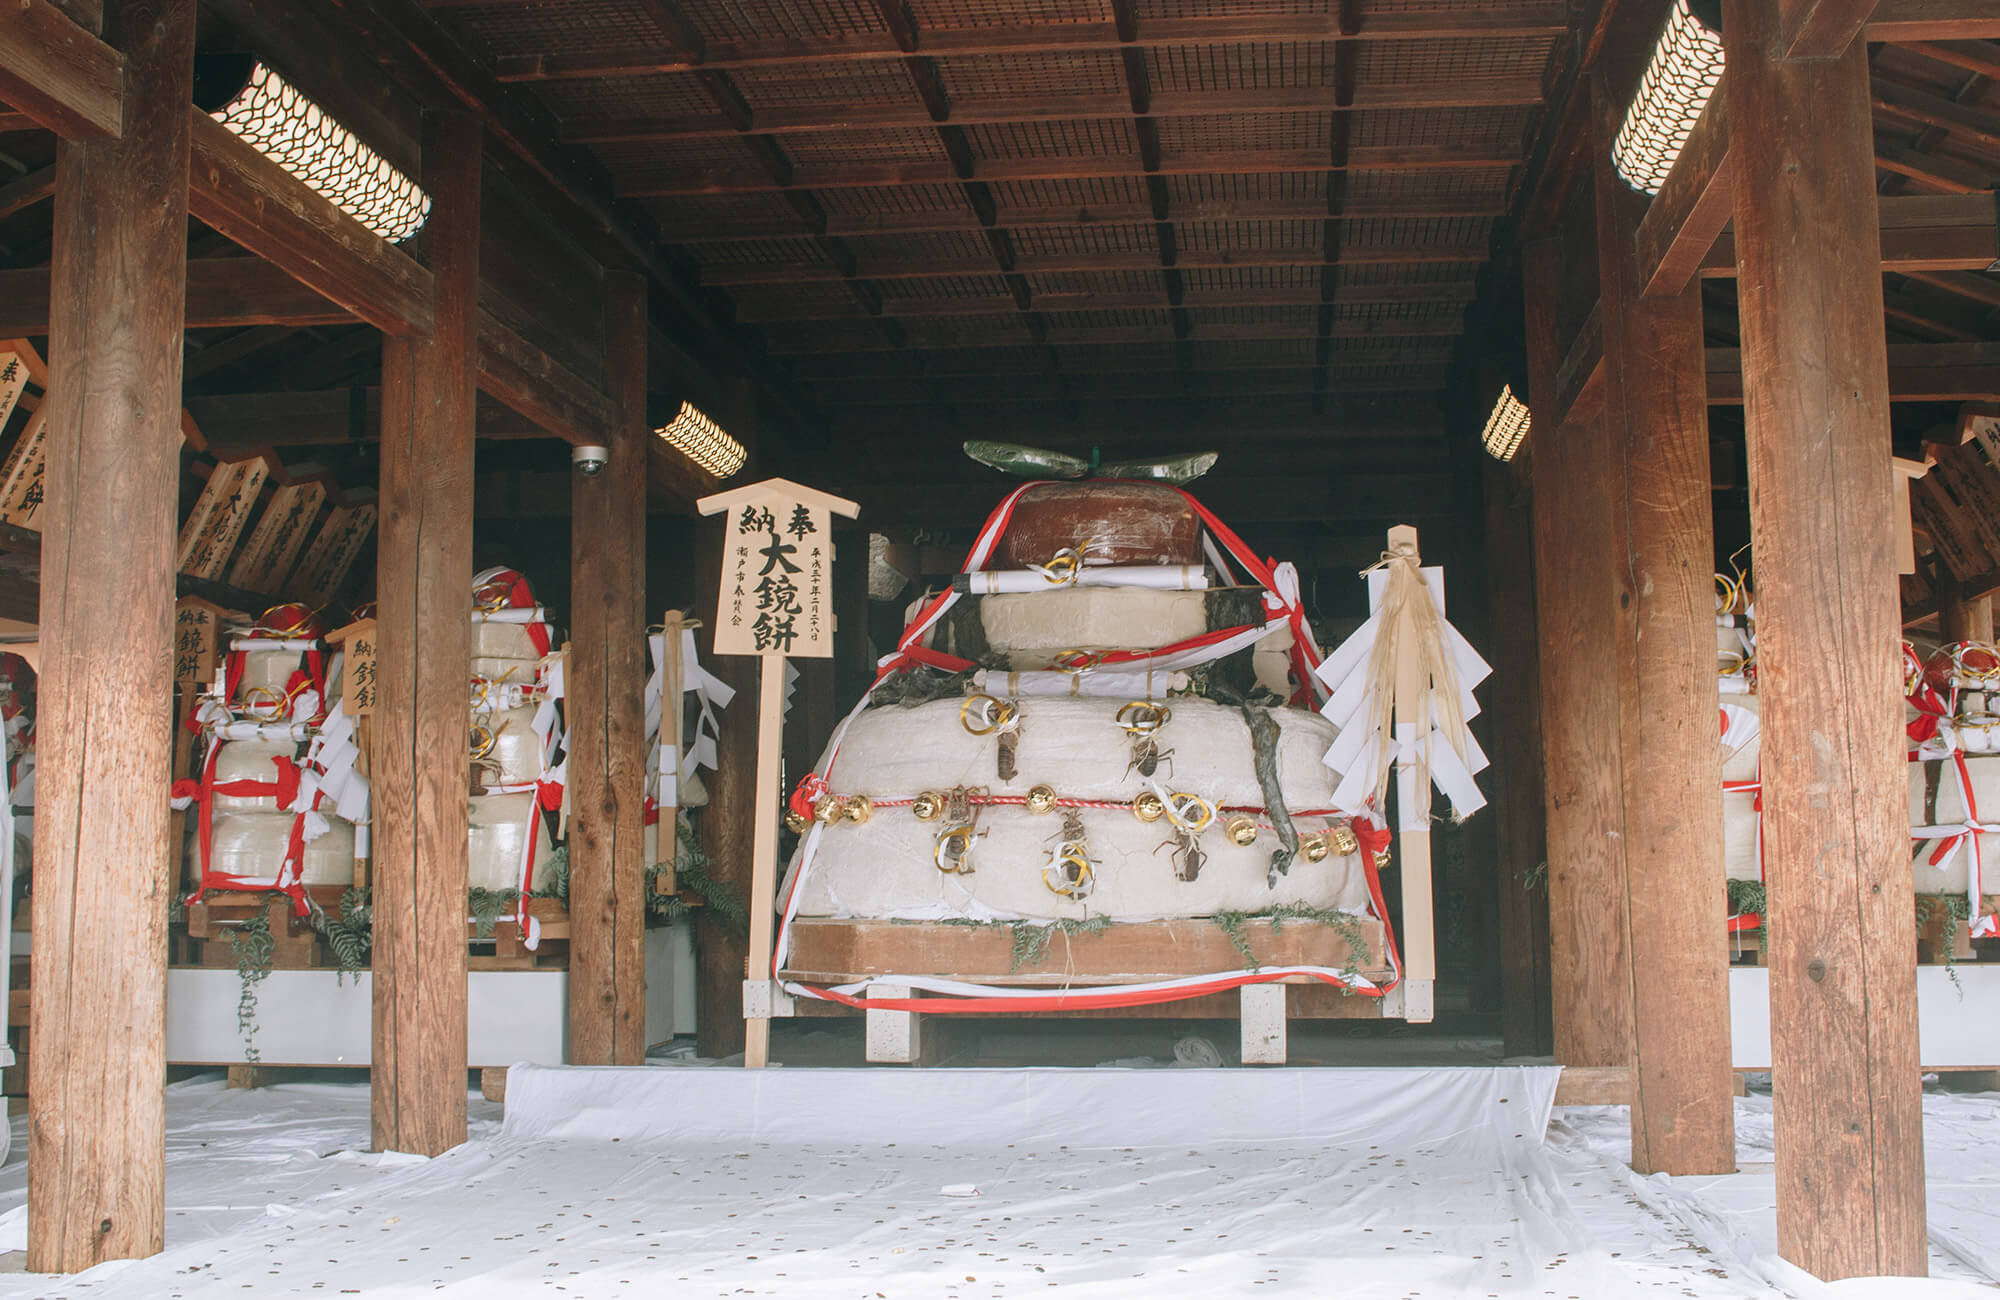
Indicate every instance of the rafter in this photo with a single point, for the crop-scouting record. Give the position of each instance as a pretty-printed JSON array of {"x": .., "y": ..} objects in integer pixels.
[
  {"x": 1048, "y": 38},
  {"x": 864, "y": 175},
  {"x": 58, "y": 75},
  {"x": 764, "y": 312},
  {"x": 790, "y": 272},
  {"x": 806, "y": 342}
]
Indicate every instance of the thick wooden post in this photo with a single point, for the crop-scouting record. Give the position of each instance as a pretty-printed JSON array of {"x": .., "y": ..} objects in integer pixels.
[
  {"x": 1523, "y": 912},
  {"x": 1960, "y": 619},
  {"x": 97, "y": 1054},
  {"x": 1575, "y": 537},
  {"x": 1847, "y": 1098},
  {"x": 424, "y": 575},
  {"x": 606, "y": 711},
  {"x": 727, "y": 826},
  {"x": 1656, "y": 416}
]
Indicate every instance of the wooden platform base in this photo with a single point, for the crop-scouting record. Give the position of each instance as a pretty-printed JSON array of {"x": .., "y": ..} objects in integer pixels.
[{"x": 202, "y": 940}]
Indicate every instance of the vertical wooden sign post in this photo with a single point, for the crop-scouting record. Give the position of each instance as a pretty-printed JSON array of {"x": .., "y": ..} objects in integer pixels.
[{"x": 776, "y": 600}]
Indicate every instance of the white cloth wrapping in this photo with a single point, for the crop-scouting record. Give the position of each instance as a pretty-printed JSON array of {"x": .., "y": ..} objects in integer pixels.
[
  {"x": 1142, "y": 685},
  {"x": 1160, "y": 577}
]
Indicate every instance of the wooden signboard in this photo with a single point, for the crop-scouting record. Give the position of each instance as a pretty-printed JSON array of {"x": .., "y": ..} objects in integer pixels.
[
  {"x": 332, "y": 554},
  {"x": 13, "y": 382},
  {"x": 777, "y": 572},
  {"x": 197, "y": 651},
  {"x": 210, "y": 534},
  {"x": 278, "y": 538},
  {"x": 358, "y": 683},
  {"x": 21, "y": 476},
  {"x": 776, "y": 600}
]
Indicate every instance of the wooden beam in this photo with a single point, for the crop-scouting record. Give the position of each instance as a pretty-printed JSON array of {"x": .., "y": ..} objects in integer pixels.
[
  {"x": 1053, "y": 167},
  {"x": 1918, "y": 372},
  {"x": 938, "y": 502},
  {"x": 424, "y": 562},
  {"x": 1656, "y": 418},
  {"x": 1819, "y": 29},
  {"x": 57, "y": 74},
  {"x": 733, "y": 275},
  {"x": 786, "y": 309},
  {"x": 1899, "y": 22},
  {"x": 222, "y": 292},
  {"x": 1919, "y": 232},
  {"x": 26, "y": 191},
  {"x": 1947, "y": 174},
  {"x": 929, "y": 219},
  {"x": 810, "y": 119},
  {"x": 1962, "y": 121},
  {"x": 1976, "y": 57},
  {"x": 103, "y": 867},
  {"x": 272, "y": 213},
  {"x": 534, "y": 383},
  {"x": 1409, "y": 378},
  {"x": 1579, "y": 380},
  {"x": 1042, "y": 38},
  {"x": 1848, "y": 1113},
  {"x": 606, "y": 709},
  {"x": 1692, "y": 207}
]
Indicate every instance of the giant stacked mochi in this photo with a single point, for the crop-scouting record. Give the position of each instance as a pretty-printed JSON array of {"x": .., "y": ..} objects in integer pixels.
[
  {"x": 509, "y": 756},
  {"x": 886, "y": 867}
]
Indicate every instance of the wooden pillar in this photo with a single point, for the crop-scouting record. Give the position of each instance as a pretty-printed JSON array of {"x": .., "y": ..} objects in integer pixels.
[
  {"x": 1847, "y": 1099},
  {"x": 1590, "y": 981},
  {"x": 606, "y": 713},
  {"x": 423, "y": 603},
  {"x": 1656, "y": 418},
  {"x": 1523, "y": 909},
  {"x": 97, "y": 1054},
  {"x": 1960, "y": 619},
  {"x": 727, "y": 826}
]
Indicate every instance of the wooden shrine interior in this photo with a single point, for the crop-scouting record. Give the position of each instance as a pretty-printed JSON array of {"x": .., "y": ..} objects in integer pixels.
[{"x": 857, "y": 232}]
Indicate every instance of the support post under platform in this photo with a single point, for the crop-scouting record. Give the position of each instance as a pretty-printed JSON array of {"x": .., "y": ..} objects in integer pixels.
[{"x": 764, "y": 850}]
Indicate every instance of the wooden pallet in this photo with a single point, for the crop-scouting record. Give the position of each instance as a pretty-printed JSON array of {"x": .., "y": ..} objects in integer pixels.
[{"x": 202, "y": 940}]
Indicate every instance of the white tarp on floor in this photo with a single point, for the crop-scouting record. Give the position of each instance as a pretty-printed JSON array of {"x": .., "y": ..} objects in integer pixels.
[{"x": 962, "y": 1183}]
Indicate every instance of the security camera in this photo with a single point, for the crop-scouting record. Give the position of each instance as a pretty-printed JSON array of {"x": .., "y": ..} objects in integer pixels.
[{"x": 589, "y": 461}]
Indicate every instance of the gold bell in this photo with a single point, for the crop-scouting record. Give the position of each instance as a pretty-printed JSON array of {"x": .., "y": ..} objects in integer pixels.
[
  {"x": 796, "y": 824},
  {"x": 1241, "y": 830},
  {"x": 860, "y": 808},
  {"x": 928, "y": 806},
  {"x": 1041, "y": 799},
  {"x": 828, "y": 809},
  {"x": 1343, "y": 839},
  {"x": 1314, "y": 847},
  {"x": 1148, "y": 807}
]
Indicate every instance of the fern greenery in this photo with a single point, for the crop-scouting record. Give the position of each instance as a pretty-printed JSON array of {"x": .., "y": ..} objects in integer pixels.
[{"x": 254, "y": 946}]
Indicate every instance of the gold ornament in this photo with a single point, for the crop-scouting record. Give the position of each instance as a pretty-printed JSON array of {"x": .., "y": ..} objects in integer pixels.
[
  {"x": 860, "y": 808},
  {"x": 828, "y": 809},
  {"x": 1148, "y": 807},
  {"x": 1241, "y": 830},
  {"x": 1314, "y": 847},
  {"x": 1345, "y": 842},
  {"x": 1041, "y": 799},
  {"x": 928, "y": 806},
  {"x": 796, "y": 824}
]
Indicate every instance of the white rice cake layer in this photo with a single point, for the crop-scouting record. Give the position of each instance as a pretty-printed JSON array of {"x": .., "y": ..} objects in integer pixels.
[
  {"x": 884, "y": 869},
  {"x": 502, "y": 641},
  {"x": 250, "y": 760},
  {"x": 269, "y": 669},
  {"x": 1027, "y": 629},
  {"x": 1075, "y": 746},
  {"x": 500, "y": 826},
  {"x": 516, "y": 750},
  {"x": 253, "y": 844}
]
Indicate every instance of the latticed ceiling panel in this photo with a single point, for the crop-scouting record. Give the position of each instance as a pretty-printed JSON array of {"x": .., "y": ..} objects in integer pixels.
[
  {"x": 1460, "y": 185},
  {"x": 1443, "y": 233},
  {"x": 807, "y": 20},
  {"x": 1419, "y": 63},
  {"x": 824, "y": 300},
  {"x": 947, "y": 331},
  {"x": 947, "y": 15},
  {"x": 836, "y": 86},
  {"x": 1270, "y": 64},
  {"x": 1464, "y": 128},
  {"x": 1247, "y": 132},
  {"x": 902, "y": 144},
  {"x": 668, "y": 95},
  {"x": 761, "y": 252},
  {"x": 1304, "y": 319},
  {"x": 1259, "y": 354},
  {"x": 888, "y": 200},
  {"x": 1104, "y": 282},
  {"x": 1079, "y": 195},
  {"x": 1378, "y": 274},
  {"x": 1131, "y": 318},
  {"x": 1025, "y": 76},
  {"x": 933, "y": 288},
  {"x": 1256, "y": 236},
  {"x": 1078, "y": 241},
  {"x": 1387, "y": 317},
  {"x": 931, "y": 246},
  {"x": 640, "y": 164},
  {"x": 720, "y": 210},
  {"x": 571, "y": 26},
  {"x": 1248, "y": 187},
  {"x": 1089, "y": 137},
  {"x": 1250, "y": 279}
]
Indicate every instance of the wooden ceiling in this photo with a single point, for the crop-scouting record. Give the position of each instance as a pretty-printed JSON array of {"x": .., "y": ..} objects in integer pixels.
[{"x": 951, "y": 204}]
